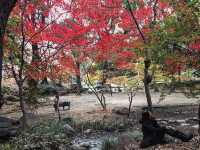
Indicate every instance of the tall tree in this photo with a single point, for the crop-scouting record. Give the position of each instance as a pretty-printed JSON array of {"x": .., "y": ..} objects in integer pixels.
[
  {"x": 114, "y": 31},
  {"x": 176, "y": 44},
  {"x": 153, "y": 12},
  {"x": 23, "y": 32},
  {"x": 5, "y": 10}
]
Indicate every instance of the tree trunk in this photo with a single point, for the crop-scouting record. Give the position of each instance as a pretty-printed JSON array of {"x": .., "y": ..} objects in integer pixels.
[
  {"x": 32, "y": 91},
  {"x": 78, "y": 79},
  {"x": 22, "y": 106},
  {"x": 45, "y": 81},
  {"x": 102, "y": 102},
  {"x": 105, "y": 69},
  {"x": 147, "y": 61},
  {"x": 103, "y": 99},
  {"x": 35, "y": 50},
  {"x": 32, "y": 83},
  {"x": 58, "y": 110},
  {"x": 59, "y": 115},
  {"x": 179, "y": 74},
  {"x": 6, "y": 7},
  {"x": 199, "y": 119},
  {"x": 1, "y": 67},
  {"x": 130, "y": 103},
  {"x": 146, "y": 83}
]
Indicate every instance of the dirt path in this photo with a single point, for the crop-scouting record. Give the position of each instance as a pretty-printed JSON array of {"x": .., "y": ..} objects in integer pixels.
[{"x": 87, "y": 105}]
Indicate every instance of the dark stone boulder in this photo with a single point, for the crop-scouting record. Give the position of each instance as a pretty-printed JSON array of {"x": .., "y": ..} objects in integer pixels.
[
  {"x": 6, "y": 133},
  {"x": 68, "y": 130},
  {"x": 8, "y": 122},
  {"x": 8, "y": 128},
  {"x": 11, "y": 98},
  {"x": 120, "y": 110}
]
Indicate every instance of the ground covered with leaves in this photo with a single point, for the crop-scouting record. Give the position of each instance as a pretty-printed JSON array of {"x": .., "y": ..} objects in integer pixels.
[{"x": 124, "y": 133}]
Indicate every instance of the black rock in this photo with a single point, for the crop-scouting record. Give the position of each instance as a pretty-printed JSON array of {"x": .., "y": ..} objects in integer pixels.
[{"x": 8, "y": 128}]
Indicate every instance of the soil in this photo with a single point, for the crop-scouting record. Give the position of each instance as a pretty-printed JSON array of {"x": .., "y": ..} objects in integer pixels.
[
  {"x": 176, "y": 111},
  {"x": 87, "y": 107}
]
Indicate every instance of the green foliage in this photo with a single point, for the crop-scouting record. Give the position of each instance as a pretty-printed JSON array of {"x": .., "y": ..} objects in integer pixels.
[
  {"x": 193, "y": 2},
  {"x": 179, "y": 28},
  {"x": 133, "y": 84},
  {"x": 45, "y": 135},
  {"x": 110, "y": 144},
  {"x": 136, "y": 135},
  {"x": 7, "y": 147},
  {"x": 13, "y": 21},
  {"x": 101, "y": 125},
  {"x": 131, "y": 5},
  {"x": 129, "y": 73},
  {"x": 50, "y": 134},
  {"x": 6, "y": 90},
  {"x": 50, "y": 127},
  {"x": 75, "y": 53}
]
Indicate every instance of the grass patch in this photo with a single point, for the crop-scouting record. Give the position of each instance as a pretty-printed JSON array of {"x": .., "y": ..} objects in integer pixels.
[
  {"x": 101, "y": 125},
  {"x": 48, "y": 135},
  {"x": 110, "y": 144},
  {"x": 120, "y": 142}
]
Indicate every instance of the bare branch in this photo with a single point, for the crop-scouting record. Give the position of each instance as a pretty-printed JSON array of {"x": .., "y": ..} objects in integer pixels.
[{"x": 136, "y": 22}]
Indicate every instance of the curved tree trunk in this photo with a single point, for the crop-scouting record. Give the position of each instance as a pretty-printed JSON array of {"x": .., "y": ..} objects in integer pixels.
[{"x": 6, "y": 7}]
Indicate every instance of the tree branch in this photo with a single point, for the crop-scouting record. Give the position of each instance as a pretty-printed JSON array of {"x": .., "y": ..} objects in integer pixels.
[{"x": 136, "y": 22}]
